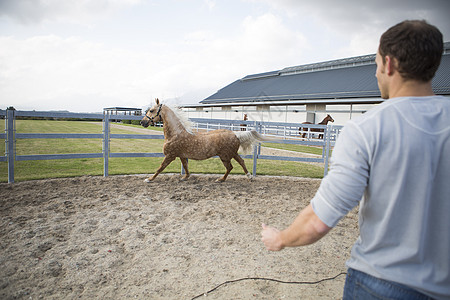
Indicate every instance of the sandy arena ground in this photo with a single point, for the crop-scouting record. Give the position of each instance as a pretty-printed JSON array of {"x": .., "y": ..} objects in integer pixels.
[{"x": 121, "y": 238}]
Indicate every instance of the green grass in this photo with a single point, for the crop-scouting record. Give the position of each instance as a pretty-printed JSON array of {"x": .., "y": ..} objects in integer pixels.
[
  {"x": 139, "y": 126},
  {"x": 296, "y": 148},
  {"x": 31, "y": 170}
]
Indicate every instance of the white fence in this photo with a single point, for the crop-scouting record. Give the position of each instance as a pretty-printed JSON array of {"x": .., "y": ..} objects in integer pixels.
[{"x": 288, "y": 133}]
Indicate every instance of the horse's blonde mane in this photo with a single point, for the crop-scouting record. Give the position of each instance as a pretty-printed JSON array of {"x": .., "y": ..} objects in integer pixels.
[{"x": 182, "y": 116}]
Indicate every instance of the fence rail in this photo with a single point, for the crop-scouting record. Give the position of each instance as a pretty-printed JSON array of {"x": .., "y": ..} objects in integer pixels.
[{"x": 287, "y": 133}]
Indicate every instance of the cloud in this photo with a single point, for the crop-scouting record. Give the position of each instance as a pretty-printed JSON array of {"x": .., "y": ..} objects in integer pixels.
[
  {"x": 359, "y": 24},
  {"x": 264, "y": 43},
  {"x": 369, "y": 12},
  {"x": 133, "y": 65},
  {"x": 49, "y": 70},
  {"x": 71, "y": 72},
  {"x": 206, "y": 62},
  {"x": 37, "y": 11},
  {"x": 211, "y": 4}
]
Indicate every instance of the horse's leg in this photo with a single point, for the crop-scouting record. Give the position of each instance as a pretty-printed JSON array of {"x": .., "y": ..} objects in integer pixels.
[
  {"x": 239, "y": 159},
  {"x": 303, "y": 134},
  {"x": 228, "y": 166},
  {"x": 184, "y": 162},
  {"x": 321, "y": 135},
  {"x": 167, "y": 160}
]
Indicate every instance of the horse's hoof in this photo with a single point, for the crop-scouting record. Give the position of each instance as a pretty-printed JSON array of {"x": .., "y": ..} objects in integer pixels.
[
  {"x": 219, "y": 180},
  {"x": 147, "y": 180}
]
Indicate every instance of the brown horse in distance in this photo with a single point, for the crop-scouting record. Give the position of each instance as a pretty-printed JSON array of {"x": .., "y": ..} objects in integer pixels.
[
  {"x": 325, "y": 121},
  {"x": 244, "y": 126}
]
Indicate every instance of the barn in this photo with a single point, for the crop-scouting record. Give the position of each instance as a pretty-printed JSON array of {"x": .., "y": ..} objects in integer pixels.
[{"x": 343, "y": 88}]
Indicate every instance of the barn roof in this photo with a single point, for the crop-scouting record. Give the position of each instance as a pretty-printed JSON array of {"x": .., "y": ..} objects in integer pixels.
[
  {"x": 117, "y": 108},
  {"x": 349, "y": 80}
]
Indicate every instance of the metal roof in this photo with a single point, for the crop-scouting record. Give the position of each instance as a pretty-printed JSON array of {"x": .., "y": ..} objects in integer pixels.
[
  {"x": 123, "y": 108},
  {"x": 349, "y": 80}
]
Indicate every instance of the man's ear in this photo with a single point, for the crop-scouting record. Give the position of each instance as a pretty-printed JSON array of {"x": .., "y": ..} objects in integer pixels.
[{"x": 391, "y": 65}]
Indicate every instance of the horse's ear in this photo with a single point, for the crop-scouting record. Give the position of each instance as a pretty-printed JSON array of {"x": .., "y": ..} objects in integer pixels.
[{"x": 157, "y": 101}]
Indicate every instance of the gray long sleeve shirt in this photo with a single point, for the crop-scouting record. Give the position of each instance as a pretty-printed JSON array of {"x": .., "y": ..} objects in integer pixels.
[{"x": 395, "y": 162}]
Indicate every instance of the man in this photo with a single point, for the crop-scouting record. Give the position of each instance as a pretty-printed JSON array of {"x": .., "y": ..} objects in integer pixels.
[{"x": 394, "y": 161}]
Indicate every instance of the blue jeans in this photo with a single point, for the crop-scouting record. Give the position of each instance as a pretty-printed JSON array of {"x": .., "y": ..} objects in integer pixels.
[{"x": 359, "y": 285}]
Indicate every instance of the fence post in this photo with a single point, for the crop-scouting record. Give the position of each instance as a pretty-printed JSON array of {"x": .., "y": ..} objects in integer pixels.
[
  {"x": 327, "y": 137},
  {"x": 105, "y": 144},
  {"x": 10, "y": 142},
  {"x": 256, "y": 149},
  {"x": 324, "y": 146}
]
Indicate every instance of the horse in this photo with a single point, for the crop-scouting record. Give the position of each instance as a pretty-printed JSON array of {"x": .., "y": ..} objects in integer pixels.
[
  {"x": 180, "y": 141},
  {"x": 244, "y": 126},
  {"x": 325, "y": 121}
]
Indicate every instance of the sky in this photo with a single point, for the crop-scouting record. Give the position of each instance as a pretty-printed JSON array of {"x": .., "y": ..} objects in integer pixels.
[{"x": 86, "y": 55}]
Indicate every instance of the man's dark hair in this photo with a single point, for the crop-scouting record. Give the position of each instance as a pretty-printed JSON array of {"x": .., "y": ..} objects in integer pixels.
[{"x": 416, "y": 45}]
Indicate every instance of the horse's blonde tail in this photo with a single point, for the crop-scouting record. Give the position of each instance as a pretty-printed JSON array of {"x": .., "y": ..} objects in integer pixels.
[{"x": 248, "y": 139}]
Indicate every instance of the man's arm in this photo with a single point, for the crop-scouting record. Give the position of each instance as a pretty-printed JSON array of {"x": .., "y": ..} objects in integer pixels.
[{"x": 306, "y": 229}]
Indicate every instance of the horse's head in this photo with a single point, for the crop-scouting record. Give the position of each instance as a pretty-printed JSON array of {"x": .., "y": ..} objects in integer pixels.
[
  {"x": 152, "y": 115},
  {"x": 329, "y": 118}
]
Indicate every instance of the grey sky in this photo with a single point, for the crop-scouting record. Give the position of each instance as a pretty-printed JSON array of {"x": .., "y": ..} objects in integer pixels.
[{"x": 89, "y": 54}]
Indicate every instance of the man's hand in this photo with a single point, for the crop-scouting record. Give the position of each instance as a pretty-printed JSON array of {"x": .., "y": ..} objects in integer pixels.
[
  {"x": 306, "y": 229},
  {"x": 271, "y": 238}
]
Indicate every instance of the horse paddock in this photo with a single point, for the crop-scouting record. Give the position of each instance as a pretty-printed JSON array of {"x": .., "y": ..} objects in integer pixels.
[{"x": 118, "y": 237}]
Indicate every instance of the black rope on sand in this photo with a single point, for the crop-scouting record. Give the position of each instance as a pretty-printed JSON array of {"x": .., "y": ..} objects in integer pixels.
[{"x": 268, "y": 279}]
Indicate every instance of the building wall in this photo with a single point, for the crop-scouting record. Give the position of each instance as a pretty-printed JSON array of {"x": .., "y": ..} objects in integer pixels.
[{"x": 287, "y": 114}]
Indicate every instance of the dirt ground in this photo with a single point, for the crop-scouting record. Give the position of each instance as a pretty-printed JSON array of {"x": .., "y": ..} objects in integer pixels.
[{"x": 120, "y": 238}]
